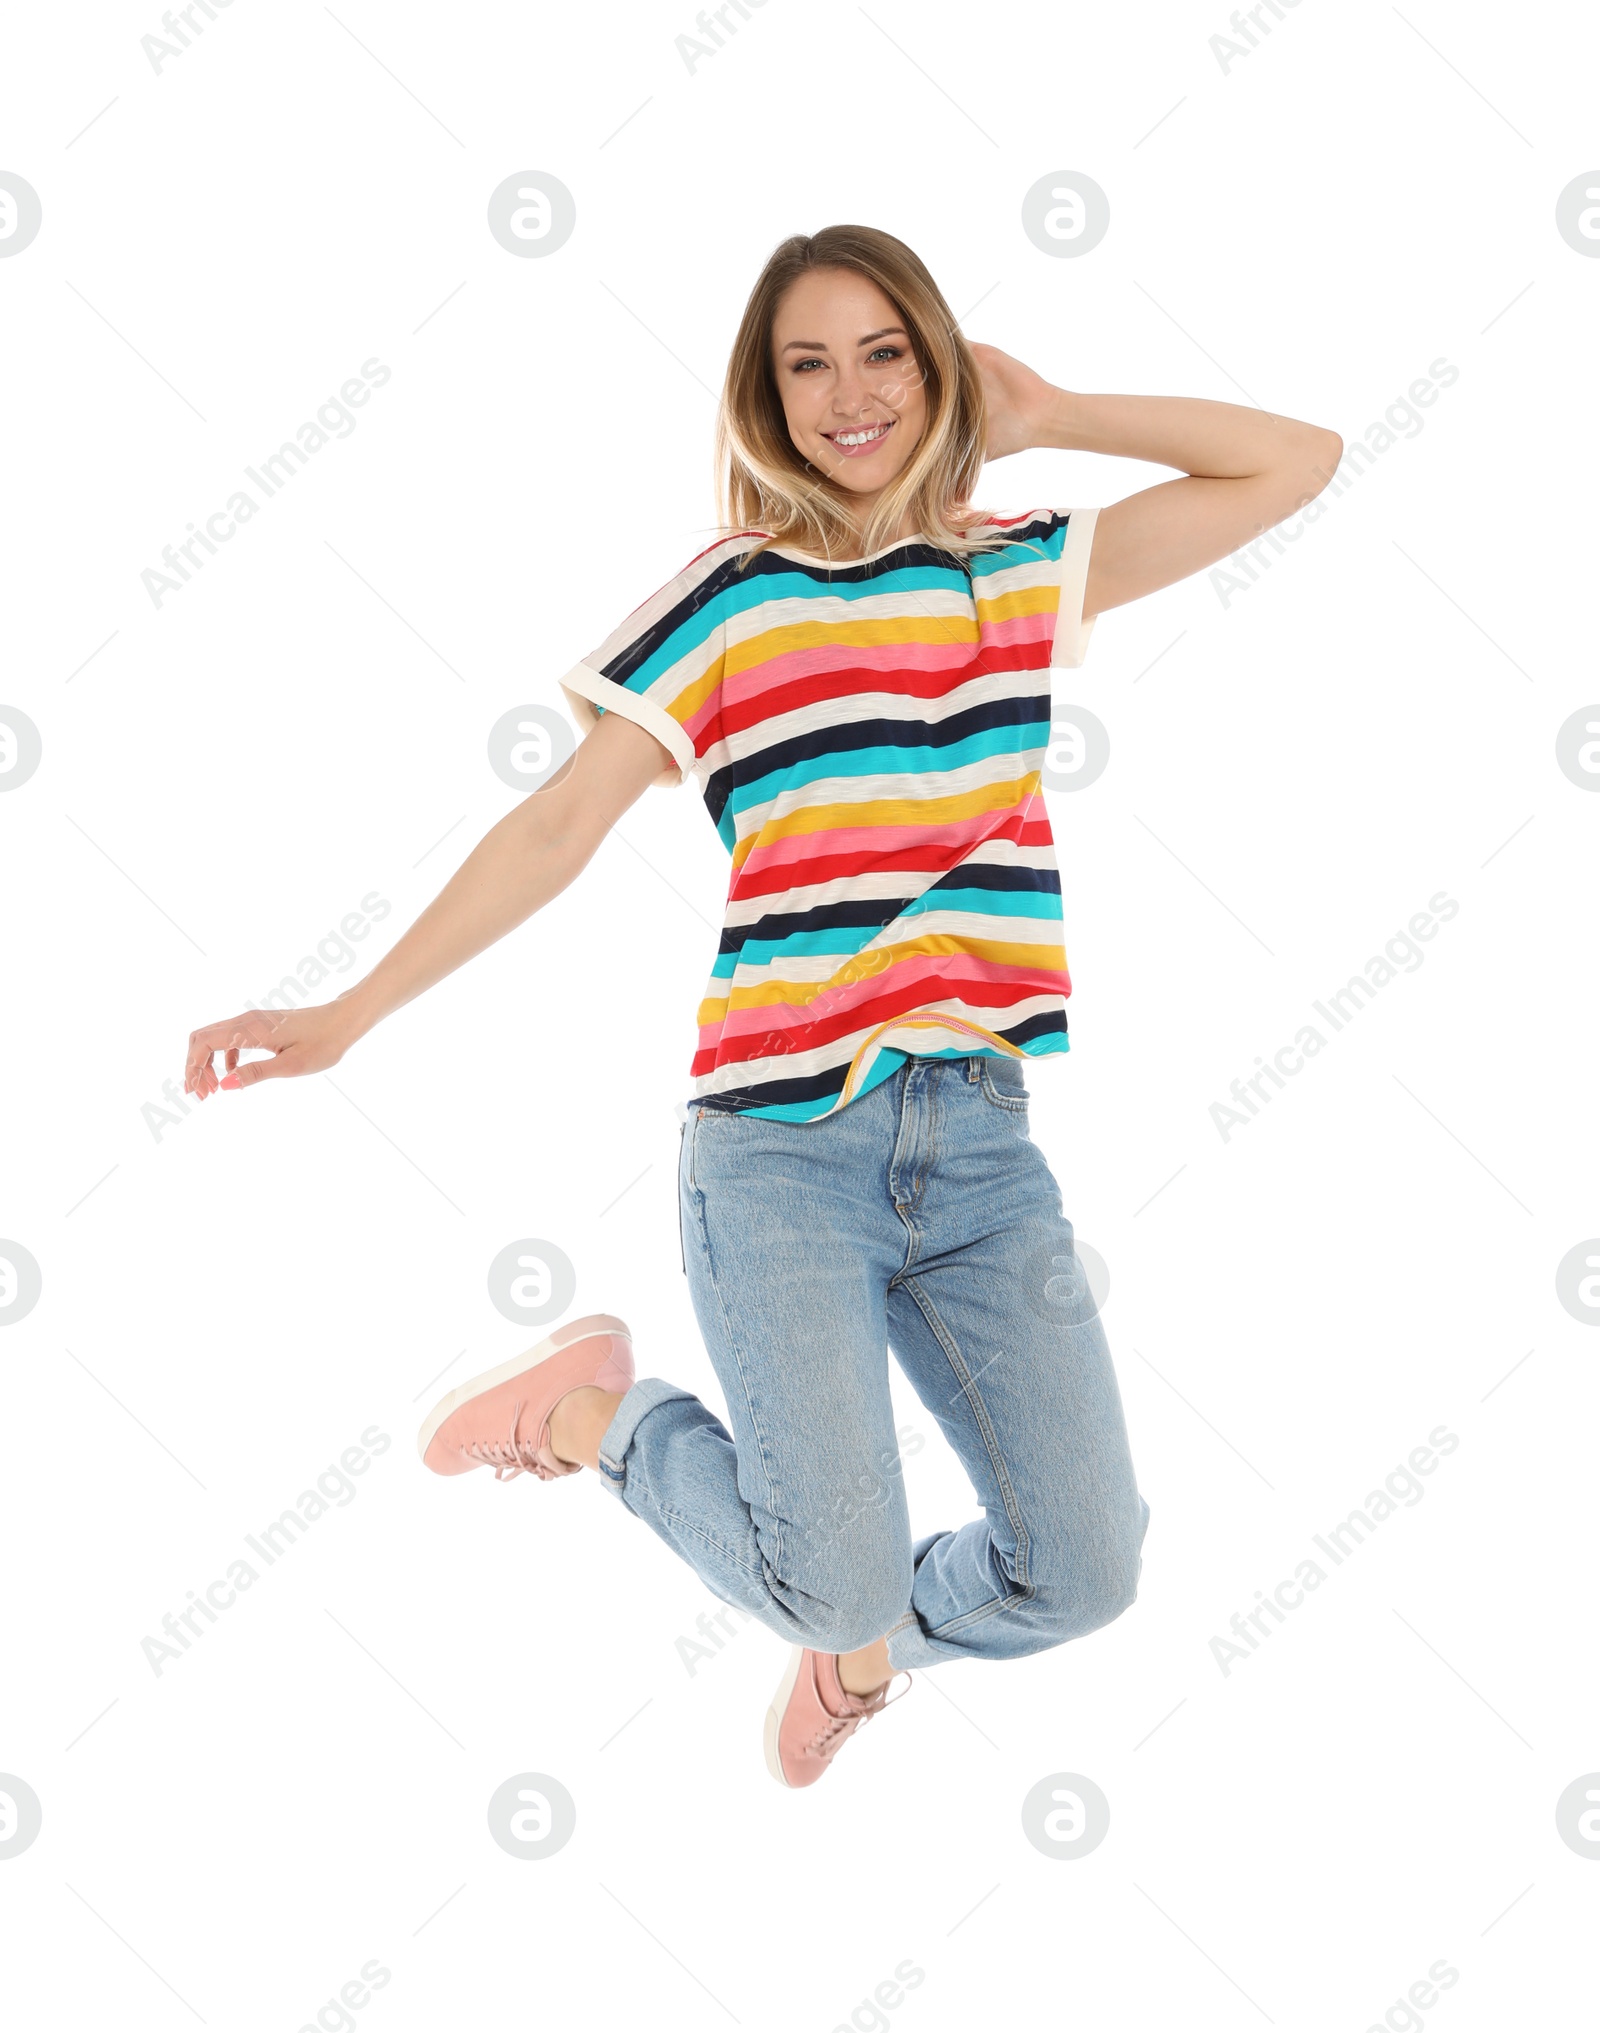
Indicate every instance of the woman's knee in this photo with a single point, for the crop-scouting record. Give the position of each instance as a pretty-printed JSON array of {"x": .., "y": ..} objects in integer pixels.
[
  {"x": 852, "y": 1607},
  {"x": 858, "y": 1617},
  {"x": 1081, "y": 1589},
  {"x": 847, "y": 1581}
]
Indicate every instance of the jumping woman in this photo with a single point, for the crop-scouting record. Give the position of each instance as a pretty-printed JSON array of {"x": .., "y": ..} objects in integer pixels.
[{"x": 857, "y": 679}]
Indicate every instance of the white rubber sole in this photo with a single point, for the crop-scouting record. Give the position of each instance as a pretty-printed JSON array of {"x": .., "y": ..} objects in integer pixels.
[
  {"x": 552, "y": 1344},
  {"x": 780, "y": 1702}
]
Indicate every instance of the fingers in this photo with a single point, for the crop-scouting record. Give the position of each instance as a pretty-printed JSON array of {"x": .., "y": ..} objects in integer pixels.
[
  {"x": 198, "y": 1078},
  {"x": 255, "y": 1070},
  {"x": 252, "y": 1029}
]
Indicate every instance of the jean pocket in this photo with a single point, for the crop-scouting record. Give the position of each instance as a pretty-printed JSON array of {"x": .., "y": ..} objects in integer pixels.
[
  {"x": 1002, "y": 1082},
  {"x": 691, "y": 1133}
]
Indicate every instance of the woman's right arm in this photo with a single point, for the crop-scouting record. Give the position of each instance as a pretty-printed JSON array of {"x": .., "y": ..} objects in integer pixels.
[{"x": 533, "y": 854}]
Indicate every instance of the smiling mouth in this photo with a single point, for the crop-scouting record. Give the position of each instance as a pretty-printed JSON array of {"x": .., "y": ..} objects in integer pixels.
[{"x": 868, "y": 435}]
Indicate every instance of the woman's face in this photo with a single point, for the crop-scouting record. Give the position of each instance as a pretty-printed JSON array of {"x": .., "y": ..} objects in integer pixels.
[{"x": 846, "y": 371}]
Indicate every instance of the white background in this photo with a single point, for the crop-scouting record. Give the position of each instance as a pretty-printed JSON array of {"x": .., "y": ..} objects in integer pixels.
[{"x": 230, "y": 1298}]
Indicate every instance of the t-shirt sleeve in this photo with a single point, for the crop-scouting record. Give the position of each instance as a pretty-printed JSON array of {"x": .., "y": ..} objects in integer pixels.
[
  {"x": 662, "y": 666},
  {"x": 1076, "y": 535}
]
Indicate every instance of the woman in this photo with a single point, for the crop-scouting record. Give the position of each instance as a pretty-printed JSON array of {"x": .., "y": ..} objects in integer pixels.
[{"x": 857, "y": 680}]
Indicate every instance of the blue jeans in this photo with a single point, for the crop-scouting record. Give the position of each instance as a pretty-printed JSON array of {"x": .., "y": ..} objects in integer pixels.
[{"x": 921, "y": 1218}]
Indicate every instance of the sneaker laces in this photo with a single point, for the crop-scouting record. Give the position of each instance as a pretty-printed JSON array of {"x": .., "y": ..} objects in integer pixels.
[
  {"x": 510, "y": 1457},
  {"x": 831, "y": 1735}
]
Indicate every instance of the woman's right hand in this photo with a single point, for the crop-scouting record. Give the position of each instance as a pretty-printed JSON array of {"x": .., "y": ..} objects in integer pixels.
[{"x": 306, "y": 1040}]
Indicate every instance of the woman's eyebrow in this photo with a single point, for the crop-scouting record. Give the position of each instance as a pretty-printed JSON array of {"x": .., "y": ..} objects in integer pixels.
[{"x": 817, "y": 346}]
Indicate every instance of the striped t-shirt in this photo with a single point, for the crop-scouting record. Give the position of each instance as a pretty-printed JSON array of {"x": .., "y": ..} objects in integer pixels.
[{"x": 868, "y": 740}]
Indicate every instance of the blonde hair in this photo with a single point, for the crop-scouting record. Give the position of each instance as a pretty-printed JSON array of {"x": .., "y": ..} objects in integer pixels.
[{"x": 764, "y": 484}]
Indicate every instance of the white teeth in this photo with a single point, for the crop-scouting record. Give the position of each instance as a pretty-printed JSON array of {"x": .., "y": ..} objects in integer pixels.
[{"x": 859, "y": 437}]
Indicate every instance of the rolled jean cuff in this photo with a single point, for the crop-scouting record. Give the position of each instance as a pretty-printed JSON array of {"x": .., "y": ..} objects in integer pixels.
[{"x": 640, "y": 1398}]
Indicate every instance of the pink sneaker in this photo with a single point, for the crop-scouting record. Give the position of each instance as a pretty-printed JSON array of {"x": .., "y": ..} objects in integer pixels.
[
  {"x": 812, "y": 1715},
  {"x": 501, "y": 1420}
]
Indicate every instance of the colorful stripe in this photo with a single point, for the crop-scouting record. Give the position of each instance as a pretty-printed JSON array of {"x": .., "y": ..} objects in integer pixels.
[{"x": 868, "y": 741}]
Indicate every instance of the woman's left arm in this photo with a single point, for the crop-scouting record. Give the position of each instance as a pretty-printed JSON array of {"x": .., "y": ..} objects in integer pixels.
[{"x": 1245, "y": 470}]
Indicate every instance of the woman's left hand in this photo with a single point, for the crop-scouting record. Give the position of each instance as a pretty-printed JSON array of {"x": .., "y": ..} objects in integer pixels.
[{"x": 1017, "y": 401}]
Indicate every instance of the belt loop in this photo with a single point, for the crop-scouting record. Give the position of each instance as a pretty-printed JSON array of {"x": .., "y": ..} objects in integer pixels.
[{"x": 972, "y": 1067}]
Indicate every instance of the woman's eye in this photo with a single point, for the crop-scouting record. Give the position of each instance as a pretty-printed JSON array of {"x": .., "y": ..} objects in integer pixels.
[{"x": 892, "y": 352}]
